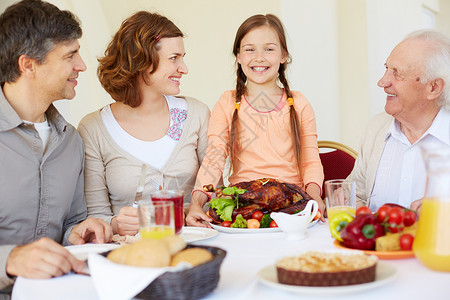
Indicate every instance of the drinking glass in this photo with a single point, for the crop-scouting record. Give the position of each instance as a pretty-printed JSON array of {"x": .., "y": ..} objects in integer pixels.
[
  {"x": 340, "y": 197},
  {"x": 177, "y": 198},
  {"x": 432, "y": 241},
  {"x": 156, "y": 219}
]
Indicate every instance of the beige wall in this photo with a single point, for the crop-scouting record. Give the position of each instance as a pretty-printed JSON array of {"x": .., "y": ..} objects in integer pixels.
[
  {"x": 353, "y": 70},
  {"x": 338, "y": 48},
  {"x": 313, "y": 43},
  {"x": 443, "y": 17}
]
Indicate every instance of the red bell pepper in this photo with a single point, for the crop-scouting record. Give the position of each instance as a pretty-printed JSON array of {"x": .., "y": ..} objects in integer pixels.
[{"x": 362, "y": 232}]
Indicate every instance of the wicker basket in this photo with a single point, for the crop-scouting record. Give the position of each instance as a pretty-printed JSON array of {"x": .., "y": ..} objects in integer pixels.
[{"x": 193, "y": 283}]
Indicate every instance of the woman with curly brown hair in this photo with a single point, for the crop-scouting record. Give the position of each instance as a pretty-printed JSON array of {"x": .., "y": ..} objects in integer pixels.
[
  {"x": 266, "y": 129},
  {"x": 148, "y": 124}
]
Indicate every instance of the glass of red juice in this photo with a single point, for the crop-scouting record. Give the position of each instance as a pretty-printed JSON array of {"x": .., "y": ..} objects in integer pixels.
[{"x": 175, "y": 196}]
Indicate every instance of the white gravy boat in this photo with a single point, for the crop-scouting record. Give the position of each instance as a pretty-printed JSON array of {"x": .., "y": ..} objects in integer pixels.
[{"x": 295, "y": 225}]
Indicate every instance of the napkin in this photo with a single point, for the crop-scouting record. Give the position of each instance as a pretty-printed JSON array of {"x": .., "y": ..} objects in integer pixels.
[{"x": 116, "y": 281}]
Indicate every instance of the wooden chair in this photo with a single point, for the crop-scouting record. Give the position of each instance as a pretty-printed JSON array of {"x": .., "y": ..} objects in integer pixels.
[{"x": 337, "y": 163}]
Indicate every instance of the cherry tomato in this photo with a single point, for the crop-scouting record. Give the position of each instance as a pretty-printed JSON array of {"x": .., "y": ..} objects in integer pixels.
[
  {"x": 257, "y": 214},
  {"x": 406, "y": 241},
  {"x": 273, "y": 224},
  {"x": 382, "y": 213},
  {"x": 409, "y": 218},
  {"x": 395, "y": 216},
  {"x": 318, "y": 215},
  {"x": 226, "y": 223},
  {"x": 253, "y": 223},
  {"x": 363, "y": 210},
  {"x": 394, "y": 228}
]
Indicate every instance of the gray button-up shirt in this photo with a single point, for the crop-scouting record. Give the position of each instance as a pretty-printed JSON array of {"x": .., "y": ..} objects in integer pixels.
[{"x": 41, "y": 191}]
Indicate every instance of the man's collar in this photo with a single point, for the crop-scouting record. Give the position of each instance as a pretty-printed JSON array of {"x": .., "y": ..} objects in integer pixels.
[
  {"x": 9, "y": 119},
  {"x": 54, "y": 117},
  {"x": 439, "y": 128},
  {"x": 396, "y": 132}
]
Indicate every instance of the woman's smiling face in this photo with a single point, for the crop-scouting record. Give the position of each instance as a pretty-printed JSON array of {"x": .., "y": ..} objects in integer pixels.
[{"x": 166, "y": 78}]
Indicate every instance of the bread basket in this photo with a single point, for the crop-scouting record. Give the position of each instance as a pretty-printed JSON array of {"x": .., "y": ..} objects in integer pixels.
[{"x": 192, "y": 283}]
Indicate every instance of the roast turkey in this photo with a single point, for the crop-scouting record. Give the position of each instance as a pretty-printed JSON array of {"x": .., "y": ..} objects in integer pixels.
[{"x": 267, "y": 195}]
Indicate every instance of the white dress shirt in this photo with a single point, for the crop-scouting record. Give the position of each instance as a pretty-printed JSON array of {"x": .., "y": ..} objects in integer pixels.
[{"x": 401, "y": 173}]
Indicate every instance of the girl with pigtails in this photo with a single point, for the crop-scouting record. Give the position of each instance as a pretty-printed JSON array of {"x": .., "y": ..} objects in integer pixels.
[{"x": 267, "y": 130}]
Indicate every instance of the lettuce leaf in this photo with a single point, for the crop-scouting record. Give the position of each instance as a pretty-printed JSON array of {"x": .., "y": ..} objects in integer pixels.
[
  {"x": 232, "y": 190},
  {"x": 224, "y": 207}
]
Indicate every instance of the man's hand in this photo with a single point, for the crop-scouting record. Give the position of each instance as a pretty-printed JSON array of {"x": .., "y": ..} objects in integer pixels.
[
  {"x": 91, "y": 230},
  {"x": 126, "y": 222},
  {"x": 43, "y": 258}
]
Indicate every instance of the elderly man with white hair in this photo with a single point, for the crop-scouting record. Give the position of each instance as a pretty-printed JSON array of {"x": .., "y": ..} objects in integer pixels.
[{"x": 390, "y": 167}]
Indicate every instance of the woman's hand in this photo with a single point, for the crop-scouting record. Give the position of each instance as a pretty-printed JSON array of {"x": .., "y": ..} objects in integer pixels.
[
  {"x": 196, "y": 216},
  {"x": 126, "y": 222},
  {"x": 91, "y": 230}
]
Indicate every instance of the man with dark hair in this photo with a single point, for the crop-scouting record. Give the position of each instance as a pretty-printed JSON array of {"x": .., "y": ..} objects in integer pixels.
[{"x": 42, "y": 199}]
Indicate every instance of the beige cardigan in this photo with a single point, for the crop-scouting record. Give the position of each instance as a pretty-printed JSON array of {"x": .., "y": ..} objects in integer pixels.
[
  {"x": 369, "y": 156},
  {"x": 112, "y": 174}
]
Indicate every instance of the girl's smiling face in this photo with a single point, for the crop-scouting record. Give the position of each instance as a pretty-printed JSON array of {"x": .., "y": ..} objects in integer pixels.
[{"x": 260, "y": 55}]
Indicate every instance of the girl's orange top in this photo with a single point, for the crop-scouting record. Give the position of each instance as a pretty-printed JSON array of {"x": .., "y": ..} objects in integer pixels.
[{"x": 266, "y": 143}]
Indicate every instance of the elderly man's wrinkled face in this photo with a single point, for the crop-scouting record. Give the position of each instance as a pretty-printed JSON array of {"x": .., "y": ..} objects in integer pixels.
[{"x": 406, "y": 95}]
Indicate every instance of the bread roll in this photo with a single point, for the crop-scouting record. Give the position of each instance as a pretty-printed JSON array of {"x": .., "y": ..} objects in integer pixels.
[
  {"x": 194, "y": 256},
  {"x": 119, "y": 255},
  {"x": 144, "y": 253},
  {"x": 174, "y": 243}
]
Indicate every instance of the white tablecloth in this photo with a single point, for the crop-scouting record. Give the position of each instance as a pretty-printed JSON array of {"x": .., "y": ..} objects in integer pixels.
[{"x": 249, "y": 253}]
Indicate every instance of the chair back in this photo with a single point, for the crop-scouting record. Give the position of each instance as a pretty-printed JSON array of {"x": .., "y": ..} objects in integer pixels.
[{"x": 337, "y": 163}]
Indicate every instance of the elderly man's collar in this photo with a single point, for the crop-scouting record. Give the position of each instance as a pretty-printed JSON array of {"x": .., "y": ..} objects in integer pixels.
[{"x": 440, "y": 128}]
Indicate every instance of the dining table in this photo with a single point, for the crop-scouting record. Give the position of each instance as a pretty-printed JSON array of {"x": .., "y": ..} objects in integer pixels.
[{"x": 248, "y": 254}]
